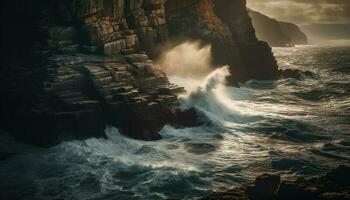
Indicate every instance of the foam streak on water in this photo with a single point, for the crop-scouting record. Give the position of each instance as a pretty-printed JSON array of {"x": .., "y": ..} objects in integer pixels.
[{"x": 297, "y": 128}]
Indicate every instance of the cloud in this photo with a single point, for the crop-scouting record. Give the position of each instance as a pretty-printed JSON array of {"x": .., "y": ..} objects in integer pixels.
[{"x": 304, "y": 11}]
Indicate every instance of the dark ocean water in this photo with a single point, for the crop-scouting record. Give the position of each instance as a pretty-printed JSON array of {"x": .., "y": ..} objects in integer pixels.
[{"x": 296, "y": 128}]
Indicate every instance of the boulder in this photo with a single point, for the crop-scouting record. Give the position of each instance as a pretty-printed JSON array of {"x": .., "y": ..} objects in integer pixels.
[
  {"x": 335, "y": 185},
  {"x": 265, "y": 187},
  {"x": 295, "y": 190},
  {"x": 136, "y": 58},
  {"x": 187, "y": 118},
  {"x": 295, "y": 73}
]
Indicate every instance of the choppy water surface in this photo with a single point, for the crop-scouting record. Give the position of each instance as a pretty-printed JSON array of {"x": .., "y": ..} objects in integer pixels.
[{"x": 297, "y": 128}]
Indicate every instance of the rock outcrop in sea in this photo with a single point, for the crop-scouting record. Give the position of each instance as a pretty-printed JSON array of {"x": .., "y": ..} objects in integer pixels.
[
  {"x": 335, "y": 185},
  {"x": 226, "y": 25},
  {"x": 72, "y": 66}
]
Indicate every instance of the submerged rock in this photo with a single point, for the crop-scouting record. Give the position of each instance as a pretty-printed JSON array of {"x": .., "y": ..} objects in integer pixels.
[
  {"x": 296, "y": 74},
  {"x": 265, "y": 187},
  {"x": 200, "y": 148}
]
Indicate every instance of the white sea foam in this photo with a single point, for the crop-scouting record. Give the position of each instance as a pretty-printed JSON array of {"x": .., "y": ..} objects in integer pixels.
[{"x": 263, "y": 126}]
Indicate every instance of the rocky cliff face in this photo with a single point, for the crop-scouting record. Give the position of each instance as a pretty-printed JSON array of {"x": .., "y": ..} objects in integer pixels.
[
  {"x": 228, "y": 28},
  {"x": 93, "y": 64},
  {"x": 276, "y": 33},
  {"x": 294, "y": 33}
]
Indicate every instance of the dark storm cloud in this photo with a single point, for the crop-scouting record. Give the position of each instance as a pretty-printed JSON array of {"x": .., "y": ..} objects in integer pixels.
[{"x": 304, "y": 11}]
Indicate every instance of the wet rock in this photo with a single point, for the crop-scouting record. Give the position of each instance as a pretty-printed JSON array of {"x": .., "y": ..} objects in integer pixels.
[
  {"x": 337, "y": 178},
  {"x": 187, "y": 118},
  {"x": 296, "y": 74},
  {"x": 332, "y": 186},
  {"x": 335, "y": 196},
  {"x": 96, "y": 67},
  {"x": 291, "y": 73},
  {"x": 226, "y": 25},
  {"x": 233, "y": 194},
  {"x": 309, "y": 74},
  {"x": 290, "y": 190},
  {"x": 137, "y": 58},
  {"x": 265, "y": 187},
  {"x": 114, "y": 47}
]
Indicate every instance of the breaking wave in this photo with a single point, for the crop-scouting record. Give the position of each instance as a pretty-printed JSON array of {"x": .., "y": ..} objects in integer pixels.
[{"x": 296, "y": 128}]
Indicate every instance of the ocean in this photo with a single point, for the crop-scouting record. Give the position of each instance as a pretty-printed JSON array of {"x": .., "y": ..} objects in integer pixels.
[{"x": 298, "y": 128}]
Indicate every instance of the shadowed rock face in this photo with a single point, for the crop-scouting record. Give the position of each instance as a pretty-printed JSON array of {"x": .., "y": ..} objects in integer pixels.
[
  {"x": 93, "y": 64},
  {"x": 296, "y": 36},
  {"x": 228, "y": 28},
  {"x": 268, "y": 29}
]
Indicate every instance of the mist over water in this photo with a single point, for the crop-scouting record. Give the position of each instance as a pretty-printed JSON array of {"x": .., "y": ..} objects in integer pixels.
[{"x": 296, "y": 128}]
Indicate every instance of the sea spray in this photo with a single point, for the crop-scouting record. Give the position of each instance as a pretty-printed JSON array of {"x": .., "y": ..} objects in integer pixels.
[
  {"x": 283, "y": 141},
  {"x": 217, "y": 101},
  {"x": 189, "y": 59},
  {"x": 210, "y": 97},
  {"x": 214, "y": 81}
]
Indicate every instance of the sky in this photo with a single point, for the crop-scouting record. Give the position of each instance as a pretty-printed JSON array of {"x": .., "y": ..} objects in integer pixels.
[{"x": 304, "y": 11}]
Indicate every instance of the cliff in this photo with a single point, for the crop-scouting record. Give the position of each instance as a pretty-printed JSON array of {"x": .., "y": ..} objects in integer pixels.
[
  {"x": 294, "y": 33},
  {"x": 227, "y": 26},
  {"x": 276, "y": 33},
  {"x": 71, "y": 67}
]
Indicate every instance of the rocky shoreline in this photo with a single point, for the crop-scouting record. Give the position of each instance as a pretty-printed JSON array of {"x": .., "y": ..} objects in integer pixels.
[
  {"x": 82, "y": 93},
  {"x": 84, "y": 64},
  {"x": 335, "y": 185},
  {"x": 71, "y": 67}
]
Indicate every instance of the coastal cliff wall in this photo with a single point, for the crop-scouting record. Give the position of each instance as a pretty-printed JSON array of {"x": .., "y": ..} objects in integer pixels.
[
  {"x": 276, "y": 33},
  {"x": 294, "y": 33},
  {"x": 227, "y": 26},
  {"x": 90, "y": 64}
]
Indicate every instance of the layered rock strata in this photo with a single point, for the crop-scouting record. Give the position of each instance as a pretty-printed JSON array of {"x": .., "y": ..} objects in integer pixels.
[
  {"x": 93, "y": 72},
  {"x": 227, "y": 26},
  {"x": 82, "y": 93},
  {"x": 90, "y": 64}
]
